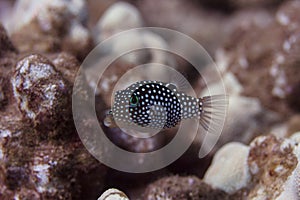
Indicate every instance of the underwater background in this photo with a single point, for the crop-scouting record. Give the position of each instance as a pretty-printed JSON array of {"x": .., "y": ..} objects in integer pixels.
[{"x": 253, "y": 44}]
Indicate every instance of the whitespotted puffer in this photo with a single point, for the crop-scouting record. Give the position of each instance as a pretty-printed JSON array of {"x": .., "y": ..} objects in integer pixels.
[{"x": 158, "y": 105}]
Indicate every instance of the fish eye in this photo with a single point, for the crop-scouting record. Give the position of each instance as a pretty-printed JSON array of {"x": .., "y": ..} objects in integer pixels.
[{"x": 134, "y": 100}]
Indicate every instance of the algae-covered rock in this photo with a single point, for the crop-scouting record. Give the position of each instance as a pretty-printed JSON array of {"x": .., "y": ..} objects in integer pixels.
[
  {"x": 42, "y": 94},
  {"x": 176, "y": 187}
]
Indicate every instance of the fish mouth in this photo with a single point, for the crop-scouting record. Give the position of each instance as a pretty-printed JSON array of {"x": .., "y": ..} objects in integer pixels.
[{"x": 109, "y": 120}]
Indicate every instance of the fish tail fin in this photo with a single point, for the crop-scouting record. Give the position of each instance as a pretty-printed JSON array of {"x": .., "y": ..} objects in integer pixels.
[{"x": 213, "y": 110}]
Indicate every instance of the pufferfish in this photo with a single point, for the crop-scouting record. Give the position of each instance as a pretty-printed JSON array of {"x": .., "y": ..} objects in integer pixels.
[{"x": 159, "y": 105}]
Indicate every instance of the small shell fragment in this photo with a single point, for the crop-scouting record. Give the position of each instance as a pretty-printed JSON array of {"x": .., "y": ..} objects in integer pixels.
[{"x": 113, "y": 194}]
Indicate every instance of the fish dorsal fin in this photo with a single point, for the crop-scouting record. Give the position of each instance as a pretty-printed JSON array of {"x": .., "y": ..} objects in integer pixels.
[
  {"x": 172, "y": 87},
  {"x": 179, "y": 81}
]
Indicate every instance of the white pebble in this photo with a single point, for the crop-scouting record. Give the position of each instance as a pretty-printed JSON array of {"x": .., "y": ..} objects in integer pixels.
[
  {"x": 113, "y": 194},
  {"x": 229, "y": 170}
]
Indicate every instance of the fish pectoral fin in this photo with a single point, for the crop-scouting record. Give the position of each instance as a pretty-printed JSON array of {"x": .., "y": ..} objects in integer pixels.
[{"x": 172, "y": 87}]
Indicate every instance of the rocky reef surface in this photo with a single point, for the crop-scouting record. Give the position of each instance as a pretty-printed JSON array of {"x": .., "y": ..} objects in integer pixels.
[{"x": 255, "y": 44}]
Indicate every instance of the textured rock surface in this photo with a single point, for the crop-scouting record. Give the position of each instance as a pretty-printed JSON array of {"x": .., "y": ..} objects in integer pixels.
[
  {"x": 188, "y": 18},
  {"x": 271, "y": 161},
  {"x": 5, "y": 43},
  {"x": 270, "y": 62},
  {"x": 45, "y": 161},
  {"x": 51, "y": 26},
  {"x": 291, "y": 187},
  {"x": 266, "y": 169},
  {"x": 254, "y": 3},
  {"x": 293, "y": 125},
  {"x": 42, "y": 94},
  {"x": 7, "y": 62},
  {"x": 175, "y": 187},
  {"x": 128, "y": 141},
  {"x": 45, "y": 170},
  {"x": 112, "y": 20}
]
